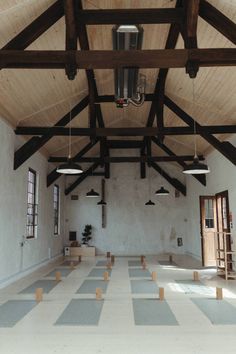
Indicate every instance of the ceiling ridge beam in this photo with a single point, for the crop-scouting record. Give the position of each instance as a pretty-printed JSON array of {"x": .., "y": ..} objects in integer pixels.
[
  {"x": 200, "y": 178},
  {"x": 54, "y": 175},
  {"x": 173, "y": 181},
  {"x": 35, "y": 143},
  {"x": 218, "y": 20},
  {"x": 36, "y": 28},
  {"x": 81, "y": 178},
  {"x": 225, "y": 148}
]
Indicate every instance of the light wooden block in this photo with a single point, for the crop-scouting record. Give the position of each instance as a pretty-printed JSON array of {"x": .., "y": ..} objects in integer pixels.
[
  {"x": 39, "y": 294},
  {"x": 219, "y": 293},
  {"x": 58, "y": 276},
  {"x": 161, "y": 294},
  {"x": 195, "y": 276},
  {"x": 106, "y": 276},
  {"x": 108, "y": 254},
  {"x": 98, "y": 294},
  {"x": 109, "y": 265},
  {"x": 154, "y": 276}
]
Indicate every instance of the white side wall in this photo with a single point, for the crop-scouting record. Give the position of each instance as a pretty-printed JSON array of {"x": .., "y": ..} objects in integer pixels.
[
  {"x": 13, "y": 203},
  {"x": 222, "y": 177},
  {"x": 132, "y": 228}
]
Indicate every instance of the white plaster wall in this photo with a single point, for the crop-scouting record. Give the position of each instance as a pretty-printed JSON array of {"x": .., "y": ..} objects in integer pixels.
[
  {"x": 222, "y": 177},
  {"x": 13, "y": 208},
  {"x": 132, "y": 228}
]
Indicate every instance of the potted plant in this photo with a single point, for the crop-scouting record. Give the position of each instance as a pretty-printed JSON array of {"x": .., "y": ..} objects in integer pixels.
[{"x": 86, "y": 235}]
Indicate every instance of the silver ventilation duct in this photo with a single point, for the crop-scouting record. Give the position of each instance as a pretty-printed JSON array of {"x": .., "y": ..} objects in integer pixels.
[{"x": 129, "y": 85}]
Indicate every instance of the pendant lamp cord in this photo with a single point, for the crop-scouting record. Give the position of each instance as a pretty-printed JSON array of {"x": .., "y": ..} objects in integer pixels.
[
  {"x": 194, "y": 124},
  {"x": 69, "y": 156}
]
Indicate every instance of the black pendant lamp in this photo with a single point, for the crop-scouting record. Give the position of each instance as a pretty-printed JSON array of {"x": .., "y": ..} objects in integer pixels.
[
  {"x": 102, "y": 202},
  {"x": 92, "y": 194},
  {"x": 196, "y": 167},
  {"x": 162, "y": 191},
  {"x": 149, "y": 202},
  {"x": 69, "y": 167}
]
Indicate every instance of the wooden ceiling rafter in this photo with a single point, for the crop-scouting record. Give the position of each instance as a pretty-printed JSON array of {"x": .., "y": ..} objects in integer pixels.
[
  {"x": 35, "y": 143},
  {"x": 54, "y": 175},
  {"x": 81, "y": 178},
  {"x": 200, "y": 178},
  {"x": 225, "y": 147},
  {"x": 36, "y": 28},
  {"x": 173, "y": 181},
  {"x": 218, "y": 20}
]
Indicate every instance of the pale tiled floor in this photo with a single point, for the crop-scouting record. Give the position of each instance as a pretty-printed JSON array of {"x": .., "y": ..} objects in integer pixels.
[{"x": 117, "y": 332}]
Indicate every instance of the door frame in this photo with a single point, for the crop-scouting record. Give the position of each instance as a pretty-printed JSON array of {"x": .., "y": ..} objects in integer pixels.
[{"x": 201, "y": 199}]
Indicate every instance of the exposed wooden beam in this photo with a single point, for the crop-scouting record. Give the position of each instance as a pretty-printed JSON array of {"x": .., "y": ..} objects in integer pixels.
[
  {"x": 173, "y": 181},
  {"x": 53, "y": 175},
  {"x": 190, "y": 25},
  {"x": 218, "y": 20},
  {"x": 130, "y": 16},
  {"x": 124, "y": 144},
  {"x": 225, "y": 148},
  {"x": 109, "y": 59},
  {"x": 71, "y": 36},
  {"x": 131, "y": 131},
  {"x": 128, "y": 159},
  {"x": 36, "y": 28},
  {"x": 81, "y": 178},
  {"x": 200, "y": 178},
  {"x": 35, "y": 143},
  {"x": 157, "y": 106}
]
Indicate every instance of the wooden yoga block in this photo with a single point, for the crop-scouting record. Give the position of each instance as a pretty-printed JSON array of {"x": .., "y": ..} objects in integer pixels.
[
  {"x": 170, "y": 258},
  {"x": 161, "y": 294},
  {"x": 112, "y": 259},
  {"x": 39, "y": 294},
  {"x": 195, "y": 276},
  {"x": 58, "y": 276},
  {"x": 108, "y": 254},
  {"x": 154, "y": 276},
  {"x": 98, "y": 294},
  {"x": 219, "y": 293},
  {"x": 106, "y": 276},
  {"x": 109, "y": 265}
]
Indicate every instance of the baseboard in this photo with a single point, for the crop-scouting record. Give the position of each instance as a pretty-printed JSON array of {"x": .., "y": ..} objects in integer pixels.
[
  {"x": 7, "y": 281},
  {"x": 198, "y": 258}
]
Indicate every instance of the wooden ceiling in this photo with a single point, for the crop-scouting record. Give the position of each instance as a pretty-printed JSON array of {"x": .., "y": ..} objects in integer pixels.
[{"x": 38, "y": 97}]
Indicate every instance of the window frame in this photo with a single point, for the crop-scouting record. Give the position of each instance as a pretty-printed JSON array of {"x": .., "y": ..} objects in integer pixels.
[
  {"x": 33, "y": 205},
  {"x": 56, "y": 210}
]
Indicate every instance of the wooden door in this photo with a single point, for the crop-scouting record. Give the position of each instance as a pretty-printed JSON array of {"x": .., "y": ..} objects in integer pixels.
[
  {"x": 223, "y": 221},
  {"x": 208, "y": 229}
]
